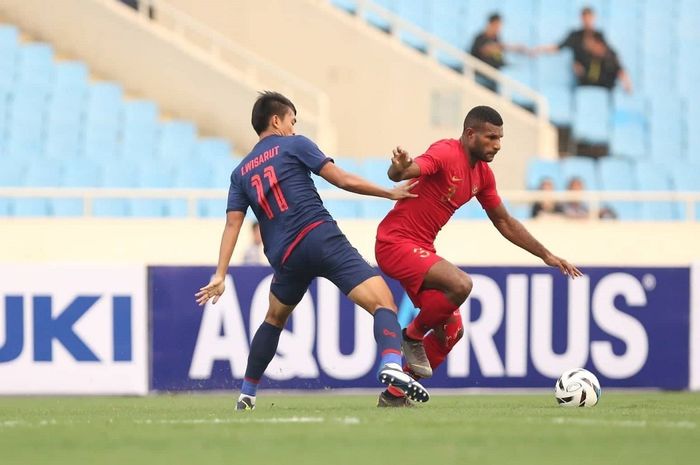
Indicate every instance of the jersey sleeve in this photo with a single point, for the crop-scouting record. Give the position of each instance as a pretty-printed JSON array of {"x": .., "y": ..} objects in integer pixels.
[
  {"x": 488, "y": 196},
  {"x": 432, "y": 160},
  {"x": 568, "y": 42},
  {"x": 308, "y": 153},
  {"x": 237, "y": 199}
]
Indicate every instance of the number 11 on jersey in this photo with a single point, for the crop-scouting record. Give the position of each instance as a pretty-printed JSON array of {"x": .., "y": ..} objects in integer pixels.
[{"x": 257, "y": 183}]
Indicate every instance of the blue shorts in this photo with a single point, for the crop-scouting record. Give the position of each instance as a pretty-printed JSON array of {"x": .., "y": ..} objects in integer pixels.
[{"x": 324, "y": 252}]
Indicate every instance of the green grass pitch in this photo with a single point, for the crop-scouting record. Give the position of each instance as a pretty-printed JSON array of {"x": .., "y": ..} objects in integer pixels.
[{"x": 639, "y": 428}]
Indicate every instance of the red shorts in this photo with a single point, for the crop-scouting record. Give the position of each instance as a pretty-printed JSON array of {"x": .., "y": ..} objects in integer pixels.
[{"x": 407, "y": 263}]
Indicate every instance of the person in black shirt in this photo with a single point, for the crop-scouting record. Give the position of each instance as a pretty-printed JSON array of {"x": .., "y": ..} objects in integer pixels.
[
  {"x": 592, "y": 55},
  {"x": 601, "y": 67},
  {"x": 487, "y": 47}
]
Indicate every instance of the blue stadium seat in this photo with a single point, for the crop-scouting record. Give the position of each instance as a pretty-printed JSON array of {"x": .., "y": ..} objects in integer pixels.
[
  {"x": 140, "y": 130},
  {"x": 177, "y": 141},
  {"x": 82, "y": 173},
  {"x": 580, "y": 167},
  {"x": 76, "y": 173},
  {"x": 25, "y": 125},
  {"x": 64, "y": 124},
  {"x": 692, "y": 123},
  {"x": 212, "y": 147},
  {"x": 652, "y": 177},
  {"x": 591, "y": 114},
  {"x": 615, "y": 175},
  {"x": 629, "y": 134},
  {"x": 554, "y": 71},
  {"x": 12, "y": 171},
  {"x": 666, "y": 128},
  {"x": 35, "y": 66},
  {"x": 8, "y": 56},
  {"x": 103, "y": 116},
  {"x": 71, "y": 78},
  {"x": 9, "y": 37},
  {"x": 116, "y": 173},
  {"x": 539, "y": 169},
  {"x": 40, "y": 173},
  {"x": 685, "y": 179},
  {"x": 195, "y": 175}
]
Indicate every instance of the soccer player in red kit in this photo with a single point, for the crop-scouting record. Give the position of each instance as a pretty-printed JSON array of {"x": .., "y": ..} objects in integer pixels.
[{"x": 449, "y": 174}]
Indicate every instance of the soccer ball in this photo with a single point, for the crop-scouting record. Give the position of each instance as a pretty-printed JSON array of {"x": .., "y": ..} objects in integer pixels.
[{"x": 577, "y": 388}]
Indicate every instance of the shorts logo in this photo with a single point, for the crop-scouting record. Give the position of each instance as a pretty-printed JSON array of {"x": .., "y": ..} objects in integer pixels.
[
  {"x": 456, "y": 179},
  {"x": 389, "y": 333},
  {"x": 475, "y": 189},
  {"x": 422, "y": 253}
]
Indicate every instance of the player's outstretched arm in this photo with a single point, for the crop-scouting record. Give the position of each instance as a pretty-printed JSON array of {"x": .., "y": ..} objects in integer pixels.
[
  {"x": 234, "y": 221},
  {"x": 402, "y": 166},
  {"x": 514, "y": 231},
  {"x": 353, "y": 183}
]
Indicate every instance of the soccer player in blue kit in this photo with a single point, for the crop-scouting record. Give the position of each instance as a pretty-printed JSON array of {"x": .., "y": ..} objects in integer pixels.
[{"x": 302, "y": 241}]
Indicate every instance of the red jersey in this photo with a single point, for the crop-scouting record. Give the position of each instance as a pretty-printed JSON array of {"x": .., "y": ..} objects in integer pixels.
[{"x": 446, "y": 183}]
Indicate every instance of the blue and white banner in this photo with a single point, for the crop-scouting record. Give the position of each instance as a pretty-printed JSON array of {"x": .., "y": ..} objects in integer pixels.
[
  {"x": 523, "y": 328},
  {"x": 73, "y": 329}
]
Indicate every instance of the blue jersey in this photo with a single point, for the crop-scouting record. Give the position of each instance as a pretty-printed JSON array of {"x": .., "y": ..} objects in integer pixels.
[{"x": 274, "y": 179}]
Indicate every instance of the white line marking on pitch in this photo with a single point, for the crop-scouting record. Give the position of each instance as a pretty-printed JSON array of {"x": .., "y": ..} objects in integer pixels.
[
  {"x": 193, "y": 421},
  {"x": 624, "y": 423}
]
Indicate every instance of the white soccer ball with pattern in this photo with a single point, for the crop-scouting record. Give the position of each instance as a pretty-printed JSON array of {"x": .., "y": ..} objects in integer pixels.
[{"x": 577, "y": 388}]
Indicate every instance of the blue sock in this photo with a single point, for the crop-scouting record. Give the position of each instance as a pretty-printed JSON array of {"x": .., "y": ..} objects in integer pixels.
[
  {"x": 387, "y": 333},
  {"x": 262, "y": 350}
]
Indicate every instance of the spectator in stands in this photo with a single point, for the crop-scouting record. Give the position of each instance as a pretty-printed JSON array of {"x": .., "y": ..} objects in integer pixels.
[
  {"x": 579, "y": 209},
  {"x": 575, "y": 208},
  {"x": 595, "y": 63},
  {"x": 547, "y": 206},
  {"x": 254, "y": 253},
  {"x": 601, "y": 67},
  {"x": 489, "y": 48}
]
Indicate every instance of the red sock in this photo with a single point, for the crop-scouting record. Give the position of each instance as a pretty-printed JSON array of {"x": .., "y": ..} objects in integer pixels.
[
  {"x": 435, "y": 309},
  {"x": 440, "y": 342}
]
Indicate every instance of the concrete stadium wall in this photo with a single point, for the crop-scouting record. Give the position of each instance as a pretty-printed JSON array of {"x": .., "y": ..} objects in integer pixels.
[
  {"x": 196, "y": 242},
  {"x": 148, "y": 60},
  {"x": 382, "y": 92}
]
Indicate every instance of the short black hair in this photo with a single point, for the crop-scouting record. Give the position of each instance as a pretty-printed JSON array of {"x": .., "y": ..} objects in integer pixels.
[
  {"x": 266, "y": 106},
  {"x": 494, "y": 17},
  {"x": 480, "y": 115},
  {"x": 587, "y": 10}
]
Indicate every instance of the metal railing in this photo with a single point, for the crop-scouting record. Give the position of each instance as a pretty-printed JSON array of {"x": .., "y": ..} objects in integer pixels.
[
  {"x": 434, "y": 46},
  {"x": 594, "y": 200}
]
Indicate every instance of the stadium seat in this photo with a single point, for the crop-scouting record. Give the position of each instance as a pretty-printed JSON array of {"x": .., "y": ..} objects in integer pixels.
[
  {"x": 629, "y": 134},
  {"x": 615, "y": 174},
  {"x": 666, "y": 128},
  {"x": 685, "y": 179},
  {"x": 139, "y": 131},
  {"x": 591, "y": 114},
  {"x": 211, "y": 148},
  {"x": 539, "y": 169},
  {"x": 102, "y": 119},
  {"x": 8, "y": 56},
  {"x": 177, "y": 141},
  {"x": 656, "y": 178},
  {"x": 12, "y": 171},
  {"x": 71, "y": 77},
  {"x": 35, "y": 66},
  {"x": 40, "y": 173},
  {"x": 580, "y": 167}
]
